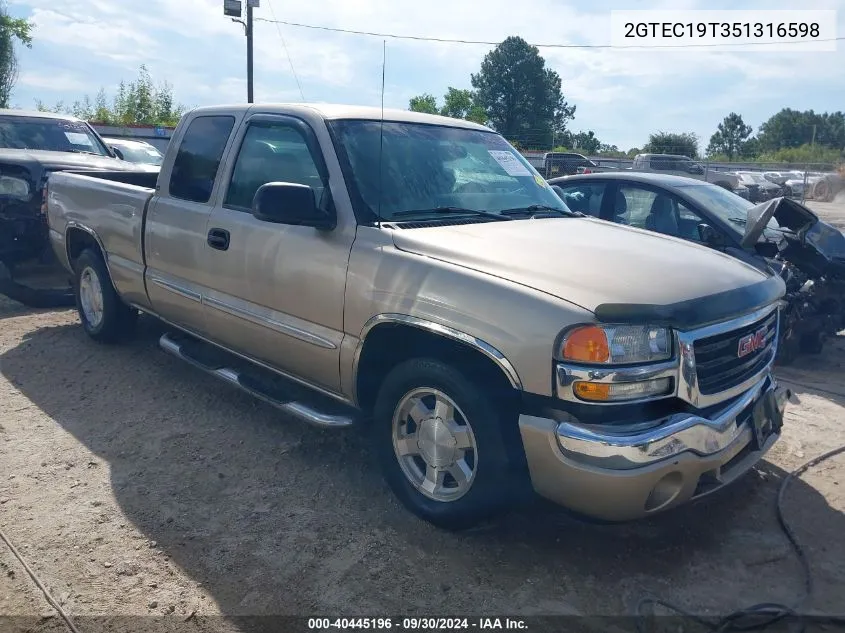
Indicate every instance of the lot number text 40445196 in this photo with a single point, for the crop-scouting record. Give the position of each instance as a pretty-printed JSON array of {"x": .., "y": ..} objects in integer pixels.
[{"x": 417, "y": 624}]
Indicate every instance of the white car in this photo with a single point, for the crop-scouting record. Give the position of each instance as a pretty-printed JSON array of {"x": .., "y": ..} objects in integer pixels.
[{"x": 144, "y": 154}]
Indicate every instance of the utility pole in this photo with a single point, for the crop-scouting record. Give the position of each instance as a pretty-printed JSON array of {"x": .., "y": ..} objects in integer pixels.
[
  {"x": 232, "y": 8},
  {"x": 249, "y": 90}
]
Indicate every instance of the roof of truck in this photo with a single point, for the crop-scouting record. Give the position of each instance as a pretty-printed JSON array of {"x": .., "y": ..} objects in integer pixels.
[
  {"x": 38, "y": 113},
  {"x": 333, "y": 111}
]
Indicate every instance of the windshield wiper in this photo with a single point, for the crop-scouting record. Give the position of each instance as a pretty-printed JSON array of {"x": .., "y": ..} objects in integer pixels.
[
  {"x": 445, "y": 210},
  {"x": 535, "y": 209},
  {"x": 84, "y": 151}
]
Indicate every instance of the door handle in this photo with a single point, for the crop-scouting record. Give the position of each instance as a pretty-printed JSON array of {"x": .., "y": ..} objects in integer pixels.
[{"x": 219, "y": 239}]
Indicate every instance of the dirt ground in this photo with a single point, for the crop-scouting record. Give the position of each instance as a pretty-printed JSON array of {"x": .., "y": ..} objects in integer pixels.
[{"x": 135, "y": 485}]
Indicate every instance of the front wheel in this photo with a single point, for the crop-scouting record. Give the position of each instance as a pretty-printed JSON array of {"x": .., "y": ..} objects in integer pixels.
[
  {"x": 104, "y": 316},
  {"x": 439, "y": 443}
]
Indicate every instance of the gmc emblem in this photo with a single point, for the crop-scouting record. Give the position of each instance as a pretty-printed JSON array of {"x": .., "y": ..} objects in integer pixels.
[{"x": 752, "y": 342}]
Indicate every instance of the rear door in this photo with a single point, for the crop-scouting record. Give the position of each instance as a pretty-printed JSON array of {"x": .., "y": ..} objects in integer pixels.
[{"x": 175, "y": 236}]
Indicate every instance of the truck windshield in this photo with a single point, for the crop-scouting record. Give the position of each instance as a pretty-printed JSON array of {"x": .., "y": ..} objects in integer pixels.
[
  {"x": 429, "y": 167},
  {"x": 44, "y": 133}
]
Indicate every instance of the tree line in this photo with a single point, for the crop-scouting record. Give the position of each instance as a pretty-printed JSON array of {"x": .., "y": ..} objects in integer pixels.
[
  {"x": 138, "y": 102},
  {"x": 789, "y": 135}
]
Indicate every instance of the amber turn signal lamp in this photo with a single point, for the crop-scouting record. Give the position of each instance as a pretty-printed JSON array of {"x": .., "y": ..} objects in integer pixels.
[{"x": 587, "y": 344}]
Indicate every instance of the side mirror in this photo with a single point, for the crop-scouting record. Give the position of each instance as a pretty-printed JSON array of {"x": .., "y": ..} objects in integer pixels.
[
  {"x": 290, "y": 203},
  {"x": 708, "y": 235},
  {"x": 117, "y": 153}
]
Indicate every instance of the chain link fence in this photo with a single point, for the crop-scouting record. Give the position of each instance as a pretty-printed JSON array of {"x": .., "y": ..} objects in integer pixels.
[{"x": 819, "y": 181}]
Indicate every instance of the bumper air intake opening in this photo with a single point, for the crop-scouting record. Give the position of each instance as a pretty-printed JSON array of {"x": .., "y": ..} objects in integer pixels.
[{"x": 664, "y": 491}]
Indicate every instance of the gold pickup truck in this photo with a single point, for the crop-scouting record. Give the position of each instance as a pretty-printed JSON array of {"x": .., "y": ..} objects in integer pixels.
[{"x": 415, "y": 275}]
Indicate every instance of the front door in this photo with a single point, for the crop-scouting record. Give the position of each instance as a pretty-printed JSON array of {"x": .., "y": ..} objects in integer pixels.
[{"x": 278, "y": 290}]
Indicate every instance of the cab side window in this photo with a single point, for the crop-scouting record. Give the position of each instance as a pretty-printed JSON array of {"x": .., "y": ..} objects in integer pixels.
[
  {"x": 198, "y": 157},
  {"x": 659, "y": 211},
  {"x": 271, "y": 152}
]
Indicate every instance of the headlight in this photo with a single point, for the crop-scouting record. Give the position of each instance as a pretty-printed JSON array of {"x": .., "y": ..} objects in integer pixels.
[
  {"x": 15, "y": 187},
  {"x": 616, "y": 344}
]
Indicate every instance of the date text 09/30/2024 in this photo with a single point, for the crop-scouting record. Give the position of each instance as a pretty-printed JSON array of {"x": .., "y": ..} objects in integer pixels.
[{"x": 415, "y": 624}]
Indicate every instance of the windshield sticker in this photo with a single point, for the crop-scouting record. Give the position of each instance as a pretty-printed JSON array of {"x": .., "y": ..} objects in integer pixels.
[
  {"x": 540, "y": 181},
  {"x": 78, "y": 138},
  {"x": 509, "y": 163}
]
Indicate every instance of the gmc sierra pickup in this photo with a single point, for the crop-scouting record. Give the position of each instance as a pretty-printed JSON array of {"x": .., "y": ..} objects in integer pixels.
[{"x": 415, "y": 274}]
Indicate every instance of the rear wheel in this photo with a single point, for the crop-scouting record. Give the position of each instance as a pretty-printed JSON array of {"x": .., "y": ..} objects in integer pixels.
[
  {"x": 438, "y": 439},
  {"x": 104, "y": 316}
]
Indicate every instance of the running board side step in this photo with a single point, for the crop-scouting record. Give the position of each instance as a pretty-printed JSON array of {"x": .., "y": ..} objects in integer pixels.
[{"x": 258, "y": 382}]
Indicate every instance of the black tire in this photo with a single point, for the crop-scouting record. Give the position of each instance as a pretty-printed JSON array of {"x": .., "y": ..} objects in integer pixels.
[
  {"x": 495, "y": 484},
  {"x": 118, "y": 320}
]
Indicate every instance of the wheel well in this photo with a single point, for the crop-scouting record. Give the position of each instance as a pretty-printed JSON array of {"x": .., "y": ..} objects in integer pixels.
[
  {"x": 77, "y": 241},
  {"x": 389, "y": 344}
]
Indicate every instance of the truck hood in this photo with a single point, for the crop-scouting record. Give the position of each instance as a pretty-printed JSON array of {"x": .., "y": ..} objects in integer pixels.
[
  {"x": 593, "y": 264},
  {"x": 62, "y": 160}
]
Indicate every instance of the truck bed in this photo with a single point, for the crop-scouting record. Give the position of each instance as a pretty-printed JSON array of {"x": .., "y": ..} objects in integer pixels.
[{"x": 111, "y": 204}]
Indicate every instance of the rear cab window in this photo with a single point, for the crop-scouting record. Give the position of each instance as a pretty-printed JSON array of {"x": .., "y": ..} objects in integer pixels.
[{"x": 198, "y": 158}]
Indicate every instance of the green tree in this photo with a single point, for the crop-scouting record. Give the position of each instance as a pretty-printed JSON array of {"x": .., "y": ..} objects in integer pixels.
[
  {"x": 750, "y": 149},
  {"x": 730, "y": 136},
  {"x": 807, "y": 153},
  {"x": 633, "y": 152},
  {"x": 424, "y": 103},
  {"x": 684, "y": 144},
  {"x": 611, "y": 151},
  {"x": 138, "y": 102},
  {"x": 794, "y": 128},
  {"x": 586, "y": 142},
  {"x": 102, "y": 112},
  {"x": 461, "y": 104},
  {"x": 522, "y": 98},
  {"x": 12, "y": 30},
  {"x": 59, "y": 107}
]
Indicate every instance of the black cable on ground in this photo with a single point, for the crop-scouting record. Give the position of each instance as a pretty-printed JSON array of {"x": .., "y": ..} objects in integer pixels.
[
  {"x": 39, "y": 584},
  {"x": 759, "y": 616}
]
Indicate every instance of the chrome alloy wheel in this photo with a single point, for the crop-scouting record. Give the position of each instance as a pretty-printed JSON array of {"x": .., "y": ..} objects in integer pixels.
[
  {"x": 91, "y": 296},
  {"x": 435, "y": 444}
]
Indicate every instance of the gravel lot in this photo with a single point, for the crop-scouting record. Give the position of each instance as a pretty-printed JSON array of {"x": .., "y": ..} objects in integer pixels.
[{"x": 135, "y": 485}]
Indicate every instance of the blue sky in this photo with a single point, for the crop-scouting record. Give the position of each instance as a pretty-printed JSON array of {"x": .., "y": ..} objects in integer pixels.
[{"x": 623, "y": 95}]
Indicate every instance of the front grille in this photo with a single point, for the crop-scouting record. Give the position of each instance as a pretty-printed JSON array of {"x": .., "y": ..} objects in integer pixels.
[{"x": 718, "y": 364}]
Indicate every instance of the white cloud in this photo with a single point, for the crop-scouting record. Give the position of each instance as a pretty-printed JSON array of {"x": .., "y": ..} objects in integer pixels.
[
  {"x": 56, "y": 82},
  {"x": 110, "y": 36},
  {"x": 81, "y": 45}
]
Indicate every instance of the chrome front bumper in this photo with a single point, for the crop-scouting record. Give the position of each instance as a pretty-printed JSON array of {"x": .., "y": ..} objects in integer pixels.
[{"x": 622, "y": 473}]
